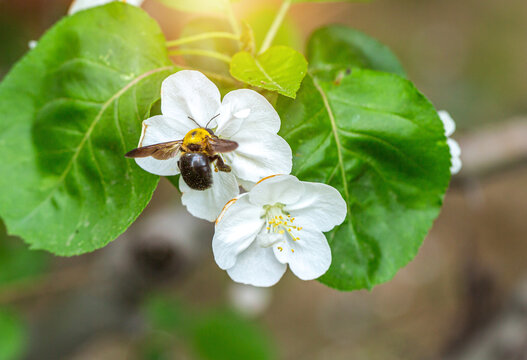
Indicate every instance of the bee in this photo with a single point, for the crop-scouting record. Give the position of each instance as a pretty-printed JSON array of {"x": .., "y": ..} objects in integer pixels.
[{"x": 199, "y": 149}]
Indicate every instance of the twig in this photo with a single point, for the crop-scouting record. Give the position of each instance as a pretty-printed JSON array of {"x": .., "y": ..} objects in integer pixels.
[
  {"x": 204, "y": 36},
  {"x": 269, "y": 37}
]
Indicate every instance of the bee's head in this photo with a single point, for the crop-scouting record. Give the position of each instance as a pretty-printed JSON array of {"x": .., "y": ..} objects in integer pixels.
[{"x": 197, "y": 136}]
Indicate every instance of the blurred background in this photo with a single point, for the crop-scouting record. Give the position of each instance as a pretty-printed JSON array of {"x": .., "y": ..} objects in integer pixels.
[{"x": 156, "y": 293}]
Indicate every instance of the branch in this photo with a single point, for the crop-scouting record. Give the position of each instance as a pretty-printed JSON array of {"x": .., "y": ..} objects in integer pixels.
[{"x": 492, "y": 150}]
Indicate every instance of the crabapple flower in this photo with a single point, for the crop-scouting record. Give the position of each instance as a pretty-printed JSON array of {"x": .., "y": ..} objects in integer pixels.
[
  {"x": 280, "y": 221},
  {"x": 78, "y": 5},
  {"x": 189, "y": 100},
  {"x": 455, "y": 150}
]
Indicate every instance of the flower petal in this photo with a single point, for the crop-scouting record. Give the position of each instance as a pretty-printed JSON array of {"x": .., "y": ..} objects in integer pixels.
[
  {"x": 257, "y": 266},
  {"x": 189, "y": 93},
  {"x": 456, "y": 165},
  {"x": 309, "y": 257},
  {"x": 235, "y": 231},
  {"x": 448, "y": 123},
  {"x": 285, "y": 189},
  {"x": 455, "y": 150},
  {"x": 321, "y": 206},
  {"x": 160, "y": 129},
  {"x": 247, "y": 110},
  {"x": 455, "y": 153},
  {"x": 246, "y": 185},
  {"x": 269, "y": 239},
  {"x": 207, "y": 204},
  {"x": 259, "y": 154}
]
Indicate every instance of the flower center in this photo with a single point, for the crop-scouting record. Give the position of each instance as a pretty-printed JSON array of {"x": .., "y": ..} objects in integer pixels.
[{"x": 279, "y": 222}]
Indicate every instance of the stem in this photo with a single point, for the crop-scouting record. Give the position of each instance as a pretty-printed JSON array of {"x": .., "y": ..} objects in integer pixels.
[
  {"x": 269, "y": 37},
  {"x": 200, "y": 52},
  {"x": 204, "y": 36},
  {"x": 232, "y": 18},
  {"x": 213, "y": 75}
]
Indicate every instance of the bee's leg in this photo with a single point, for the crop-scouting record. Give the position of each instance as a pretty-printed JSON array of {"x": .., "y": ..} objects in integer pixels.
[{"x": 220, "y": 165}]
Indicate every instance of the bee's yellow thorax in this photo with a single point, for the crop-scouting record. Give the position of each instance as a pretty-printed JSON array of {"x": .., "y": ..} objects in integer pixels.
[{"x": 196, "y": 136}]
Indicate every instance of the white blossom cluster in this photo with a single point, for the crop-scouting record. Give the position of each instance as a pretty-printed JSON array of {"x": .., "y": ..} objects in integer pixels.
[{"x": 280, "y": 220}]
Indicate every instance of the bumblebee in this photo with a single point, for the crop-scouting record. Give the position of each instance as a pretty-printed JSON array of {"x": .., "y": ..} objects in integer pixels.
[{"x": 199, "y": 149}]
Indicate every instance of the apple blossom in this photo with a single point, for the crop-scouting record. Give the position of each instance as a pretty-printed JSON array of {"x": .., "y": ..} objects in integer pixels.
[
  {"x": 280, "y": 221},
  {"x": 189, "y": 100}
]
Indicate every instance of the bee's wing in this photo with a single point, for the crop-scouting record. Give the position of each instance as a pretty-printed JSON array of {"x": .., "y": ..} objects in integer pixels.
[
  {"x": 222, "y": 145},
  {"x": 162, "y": 151}
]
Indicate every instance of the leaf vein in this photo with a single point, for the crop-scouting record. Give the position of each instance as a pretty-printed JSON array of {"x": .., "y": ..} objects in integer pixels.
[
  {"x": 305, "y": 161},
  {"x": 261, "y": 68},
  {"x": 90, "y": 130},
  {"x": 382, "y": 112},
  {"x": 339, "y": 154},
  {"x": 382, "y": 141},
  {"x": 99, "y": 171},
  {"x": 129, "y": 170}
]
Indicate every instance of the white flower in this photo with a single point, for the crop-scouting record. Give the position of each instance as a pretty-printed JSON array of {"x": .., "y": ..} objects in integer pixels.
[
  {"x": 455, "y": 150},
  {"x": 189, "y": 100},
  {"x": 78, "y": 5},
  {"x": 280, "y": 221}
]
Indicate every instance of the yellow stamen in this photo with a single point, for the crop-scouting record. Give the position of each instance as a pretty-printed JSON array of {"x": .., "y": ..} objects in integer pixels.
[{"x": 279, "y": 222}]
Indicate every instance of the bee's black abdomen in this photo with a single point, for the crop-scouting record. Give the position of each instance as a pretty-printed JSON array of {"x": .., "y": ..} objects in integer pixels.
[{"x": 196, "y": 171}]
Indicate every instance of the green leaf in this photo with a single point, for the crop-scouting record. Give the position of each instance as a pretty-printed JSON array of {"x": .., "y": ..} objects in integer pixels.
[
  {"x": 225, "y": 335},
  {"x": 69, "y": 111},
  {"x": 167, "y": 314},
  {"x": 12, "y": 336},
  {"x": 380, "y": 142},
  {"x": 213, "y": 334},
  {"x": 335, "y": 49},
  {"x": 17, "y": 262},
  {"x": 280, "y": 69}
]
